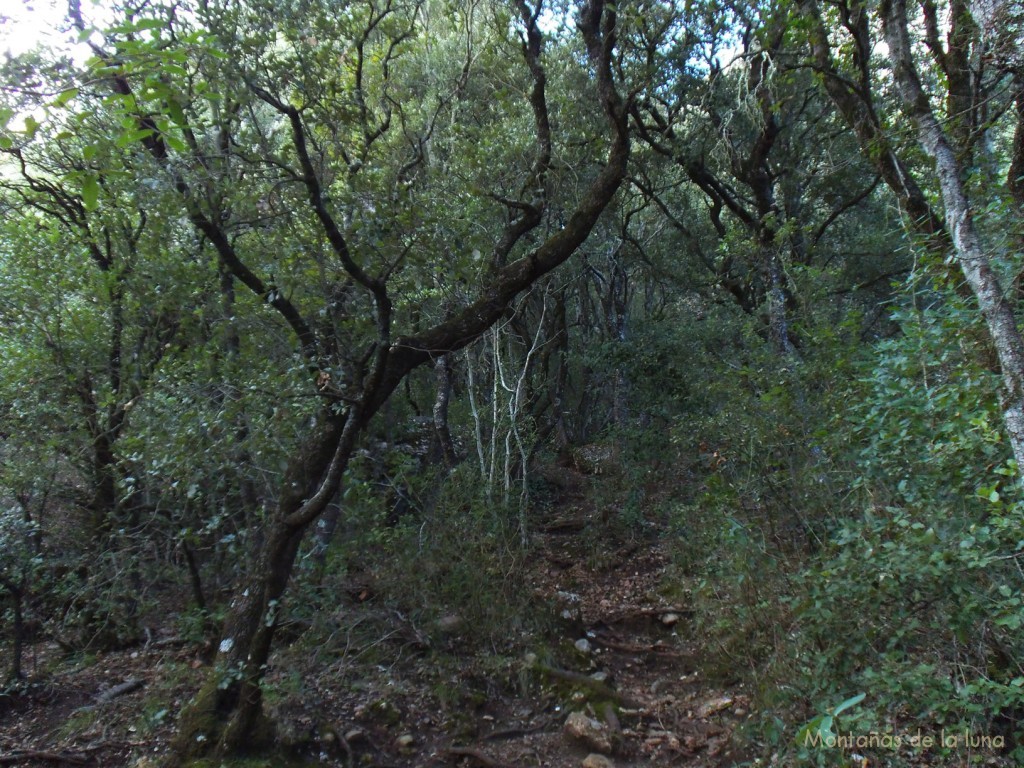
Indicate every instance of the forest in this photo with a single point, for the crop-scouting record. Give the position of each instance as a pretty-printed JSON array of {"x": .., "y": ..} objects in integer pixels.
[{"x": 513, "y": 383}]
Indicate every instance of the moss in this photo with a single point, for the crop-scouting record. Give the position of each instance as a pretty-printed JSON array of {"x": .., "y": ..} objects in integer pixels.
[
  {"x": 80, "y": 721},
  {"x": 199, "y": 725},
  {"x": 202, "y": 729}
]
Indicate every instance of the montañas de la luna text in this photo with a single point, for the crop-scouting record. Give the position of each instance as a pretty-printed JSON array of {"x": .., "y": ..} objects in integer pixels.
[{"x": 915, "y": 740}]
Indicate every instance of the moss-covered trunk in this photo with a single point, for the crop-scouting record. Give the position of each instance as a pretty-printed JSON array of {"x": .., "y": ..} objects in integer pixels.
[{"x": 226, "y": 716}]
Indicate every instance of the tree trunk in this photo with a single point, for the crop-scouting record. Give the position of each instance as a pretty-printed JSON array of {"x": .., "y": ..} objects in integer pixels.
[
  {"x": 442, "y": 434},
  {"x": 971, "y": 256},
  {"x": 17, "y": 593},
  {"x": 227, "y": 713}
]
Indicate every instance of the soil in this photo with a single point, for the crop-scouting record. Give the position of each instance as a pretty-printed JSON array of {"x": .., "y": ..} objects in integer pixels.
[{"x": 620, "y": 651}]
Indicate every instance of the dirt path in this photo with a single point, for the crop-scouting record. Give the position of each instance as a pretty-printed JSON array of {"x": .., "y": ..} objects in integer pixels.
[
  {"x": 631, "y": 682},
  {"x": 618, "y": 684}
]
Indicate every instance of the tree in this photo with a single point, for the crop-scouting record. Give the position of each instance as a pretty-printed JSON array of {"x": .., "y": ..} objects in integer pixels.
[
  {"x": 749, "y": 178},
  {"x": 313, "y": 154},
  {"x": 974, "y": 99}
]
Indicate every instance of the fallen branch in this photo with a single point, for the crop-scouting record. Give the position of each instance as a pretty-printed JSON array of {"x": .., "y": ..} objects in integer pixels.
[
  {"x": 646, "y": 613},
  {"x": 635, "y": 648},
  {"x": 565, "y": 525},
  {"x": 21, "y": 755},
  {"x": 119, "y": 690},
  {"x": 598, "y": 687},
  {"x": 511, "y": 733}
]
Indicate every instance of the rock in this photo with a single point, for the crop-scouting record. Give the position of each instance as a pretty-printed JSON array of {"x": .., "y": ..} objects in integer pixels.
[
  {"x": 450, "y": 623},
  {"x": 589, "y": 732},
  {"x": 670, "y": 619},
  {"x": 405, "y": 741},
  {"x": 601, "y": 677},
  {"x": 597, "y": 761},
  {"x": 713, "y": 706},
  {"x": 355, "y": 734},
  {"x": 583, "y": 645}
]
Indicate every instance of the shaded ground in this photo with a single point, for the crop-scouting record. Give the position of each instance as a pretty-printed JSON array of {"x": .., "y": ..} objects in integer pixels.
[{"x": 620, "y": 654}]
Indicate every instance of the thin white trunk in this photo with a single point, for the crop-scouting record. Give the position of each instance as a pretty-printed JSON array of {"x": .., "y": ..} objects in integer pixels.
[
  {"x": 478, "y": 429},
  {"x": 977, "y": 269},
  {"x": 496, "y": 351}
]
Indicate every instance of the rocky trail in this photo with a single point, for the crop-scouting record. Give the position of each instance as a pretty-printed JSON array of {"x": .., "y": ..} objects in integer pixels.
[{"x": 617, "y": 683}]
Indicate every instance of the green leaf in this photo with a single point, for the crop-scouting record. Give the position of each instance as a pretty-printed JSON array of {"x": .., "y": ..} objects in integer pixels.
[
  {"x": 175, "y": 143},
  {"x": 31, "y": 126},
  {"x": 130, "y": 137},
  {"x": 64, "y": 97},
  {"x": 176, "y": 112},
  {"x": 850, "y": 702},
  {"x": 90, "y": 192},
  {"x": 150, "y": 24}
]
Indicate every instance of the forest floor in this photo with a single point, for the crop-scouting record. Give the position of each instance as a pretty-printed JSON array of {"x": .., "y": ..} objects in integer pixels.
[{"x": 617, "y": 682}]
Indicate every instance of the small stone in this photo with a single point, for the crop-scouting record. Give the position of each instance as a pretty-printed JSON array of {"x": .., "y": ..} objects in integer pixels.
[
  {"x": 450, "y": 623},
  {"x": 354, "y": 735},
  {"x": 589, "y": 732},
  {"x": 714, "y": 706},
  {"x": 583, "y": 645},
  {"x": 595, "y": 760},
  {"x": 670, "y": 619},
  {"x": 600, "y": 677},
  {"x": 405, "y": 741},
  {"x": 740, "y": 712}
]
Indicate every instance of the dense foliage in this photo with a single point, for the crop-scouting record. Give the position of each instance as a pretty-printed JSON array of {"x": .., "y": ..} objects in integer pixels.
[{"x": 301, "y": 291}]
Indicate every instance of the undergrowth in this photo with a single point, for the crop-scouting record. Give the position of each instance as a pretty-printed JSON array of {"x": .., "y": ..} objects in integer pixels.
[{"x": 870, "y": 555}]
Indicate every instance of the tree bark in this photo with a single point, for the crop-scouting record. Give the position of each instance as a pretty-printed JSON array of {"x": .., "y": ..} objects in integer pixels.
[
  {"x": 970, "y": 254},
  {"x": 442, "y": 434},
  {"x": 853, "y": 100},
  {"x": 17, "y": 593}
]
